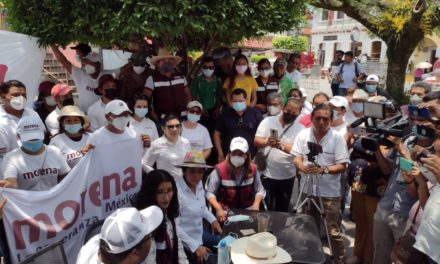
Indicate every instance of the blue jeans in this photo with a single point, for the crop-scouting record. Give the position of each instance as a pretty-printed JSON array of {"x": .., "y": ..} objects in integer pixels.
[
  {"x": 342, "y": 91},
  {"x": 209, "y": 239}
]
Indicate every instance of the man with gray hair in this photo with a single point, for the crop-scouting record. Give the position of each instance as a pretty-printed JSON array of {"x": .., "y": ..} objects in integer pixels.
[
  {"x": 285, "y": 83},
  {"x": 274, "y": 138},
  {"x": 417, "y": 91},
  {"x": 273, "y": 104}
]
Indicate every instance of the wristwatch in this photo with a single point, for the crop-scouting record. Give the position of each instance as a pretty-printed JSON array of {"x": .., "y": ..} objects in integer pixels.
[{"x": 326, "y": 171}]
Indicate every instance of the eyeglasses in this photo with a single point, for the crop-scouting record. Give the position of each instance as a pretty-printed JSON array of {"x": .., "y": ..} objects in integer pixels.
[
  {"x": 165, "y": 193},
  {"x": 173, "y": 126}
]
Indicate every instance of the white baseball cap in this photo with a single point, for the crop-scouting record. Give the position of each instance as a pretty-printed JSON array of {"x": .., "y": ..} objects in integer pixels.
[
  {"x": 29, "y": 128},
  {"x": 303, "y": 91},
  {"x": 126, "y": 227},
  {"x": 194, "y": 104},
  {"x": 339, "y": 101},
  {"x": 116, "y": 107},
  {"x": 240, "y": 144},
  {"x": 372, "y": 78}
]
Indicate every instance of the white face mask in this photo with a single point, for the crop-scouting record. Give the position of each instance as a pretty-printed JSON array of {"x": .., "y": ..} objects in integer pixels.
[
  {"x": 50, "y": 101},
  {"x": 207, "y": 72},
  {"x": 89, "y": 69},
  {"x": 273, "y": 110},
  {"x": 264, "y": 73},
  {"x": 141, "y": 112},
  {"x": 121, "y": 122},
  {"x": 241, "y": 68},
  {"x": 415, "y": 99},
  {"x": 138, "y": 69},
  {"x": 237, "y": 161},
  {"x": 18, "y": 102}
]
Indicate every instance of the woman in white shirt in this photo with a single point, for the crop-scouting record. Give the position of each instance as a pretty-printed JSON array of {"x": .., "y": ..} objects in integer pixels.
[
  {"x": 33, "y": 166},
  {"x": 72, "y": 136},
  {"x": 167, "y": 151},
  {"x": 193, "y": 209},
  {"x": 140, "y": 122}
]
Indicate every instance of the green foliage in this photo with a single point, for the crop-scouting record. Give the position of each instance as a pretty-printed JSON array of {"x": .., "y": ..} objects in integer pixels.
[
  {"x": 123, "y": 22},
  {"x": 291, "y": 43},
  {"x": 257, "y": 58}
]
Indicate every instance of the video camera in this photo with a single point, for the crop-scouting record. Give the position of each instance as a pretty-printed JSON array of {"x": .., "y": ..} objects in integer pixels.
[{"x": 378, "y": 127}]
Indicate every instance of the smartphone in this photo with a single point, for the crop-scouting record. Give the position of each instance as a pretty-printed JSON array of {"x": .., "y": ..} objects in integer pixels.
[
  {"x": 406, "y": 165},
  {"x": 414, "y": 111},
  {"x": 75, "y": 97},
  {"x": 425, "y": 131},
  {"x": 274, "y": 133}
]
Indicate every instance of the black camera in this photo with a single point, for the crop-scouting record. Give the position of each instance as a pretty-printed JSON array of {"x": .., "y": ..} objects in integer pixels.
[{"x": 314, "y": 150}]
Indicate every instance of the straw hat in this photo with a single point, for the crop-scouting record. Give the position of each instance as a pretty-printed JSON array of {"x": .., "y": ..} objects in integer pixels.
[
  {"x": 164, "y": 53},
  {"x": 194, "y": 159},
  {"x": 72, "y": 110},
  {"x": 259, "y": 248}
]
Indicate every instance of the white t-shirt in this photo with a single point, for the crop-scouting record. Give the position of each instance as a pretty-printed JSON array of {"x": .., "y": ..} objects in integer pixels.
[
  {"x": 348, "y": 74},
  {"x": 295, "y": 76},
  {"x": 342, "y": 128},
  {"x": 427, "y": 238},
  {"x": 279, "y": 163},
  {"x": 166, "y": 155},
  {"x": 89, "y": 252},
  {"x": 198, "y": 137},
  {"x": 35, "y": 173},
  {"x": 96, "y": 115},
  {"x": 86, "y": 85},
  {"x": 334, "y": 151},
  {"x": 103, "y": 136},
  {"x": 145, "y": 127},
  {"x": 70, "y": 149},
  {"x": 52, "y": 123},
  {"x": 8, "y": 131}
]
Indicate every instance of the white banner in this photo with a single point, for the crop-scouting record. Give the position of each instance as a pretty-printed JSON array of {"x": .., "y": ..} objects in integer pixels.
[
  {"x": 104, "y": 180},
  {"x": 21, "y": 59}
]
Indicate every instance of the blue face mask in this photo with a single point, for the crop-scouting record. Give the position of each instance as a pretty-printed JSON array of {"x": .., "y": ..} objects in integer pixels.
[
  {"x": 141, "y": 112},
  {"x": 335, "y": 114},
  {"x": 73, "y": 129},
  {"x": 239, "y": 106},
  {"x": 371, "y": 88},
  {"x": 32, "y": 145},
  {"x": 228, "y": 239},
  {"x": 193, "y": 118},
  {"x": 358, "y": 107}
]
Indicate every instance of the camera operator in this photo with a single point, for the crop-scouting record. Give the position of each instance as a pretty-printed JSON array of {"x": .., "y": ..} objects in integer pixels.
[
  {"x": 330, "y": 164},
  {"x": 393, "y": 208}
]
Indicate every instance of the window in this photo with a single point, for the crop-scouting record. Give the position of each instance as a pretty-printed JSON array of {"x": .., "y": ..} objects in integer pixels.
[
  {"x": 340, "y": 15},
  {"x": 328, "y": 38},
  {"x": 324, "y": 16}
]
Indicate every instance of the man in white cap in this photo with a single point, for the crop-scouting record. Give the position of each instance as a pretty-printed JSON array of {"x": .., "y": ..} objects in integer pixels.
[
  {"x": 125, "y": 238},
  {"x": 117, "y": 114},
  {"x": 33, "y": 166},
  {"x": 340, "y": 106},
  {"x": 356, "y": 110},
  {"x": 86, "y": 77},
  {"x": 167, "y": 86},
  {"x": 372, "y": 86}
]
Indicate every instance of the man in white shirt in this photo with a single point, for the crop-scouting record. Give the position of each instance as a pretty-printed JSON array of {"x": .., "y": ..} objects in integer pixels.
[
  {"x": 109, "y": 90},
  {"x": 325, "y": 171},
  {"x": 293, "y": 69},
  {"x": 348, "y": 73},
  {"x": 85, "y": 78},
  {"x": 278, "y": 176},
  {"x": 13, "y": 96},
  {"x": 62, "y": 94},
  {"x": 126, "y": 238}
]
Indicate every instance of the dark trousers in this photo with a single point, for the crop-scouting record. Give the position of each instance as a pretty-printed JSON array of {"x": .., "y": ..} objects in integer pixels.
[
  {"x": 278, "y": 193},
  {"x": 335, "y": 88}
]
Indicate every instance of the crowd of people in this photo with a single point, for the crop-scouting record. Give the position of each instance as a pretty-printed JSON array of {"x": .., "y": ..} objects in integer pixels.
[{"x": 229, "y": 140}]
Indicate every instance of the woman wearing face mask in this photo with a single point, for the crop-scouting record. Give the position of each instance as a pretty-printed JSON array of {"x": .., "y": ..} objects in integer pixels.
[
  {"x": 133, "y": 76},
  {"x": 159, "y": 188},
  {"x": 23, "y": 166},
  {"x": 196, "y": 133},
  {"x": 167, "y": 151},
  {"x": 141, "y": 123},
  {"x": 266, "y": 84},
  {"x": 241, "y": 77},
  {"x": 72, "y": 136},
  {"x": 45, "y": 103},
  {"x": 235, "y": 182}
]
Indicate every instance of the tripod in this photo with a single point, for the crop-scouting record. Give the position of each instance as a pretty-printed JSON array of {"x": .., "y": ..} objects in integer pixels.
[{"x": 312, "y": 181}]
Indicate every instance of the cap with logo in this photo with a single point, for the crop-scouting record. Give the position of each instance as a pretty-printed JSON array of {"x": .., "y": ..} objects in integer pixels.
[
  {"x": 126, "y": 227},
  {"x": 239, "y": 143},
  {"x": 116, "y": 107},
  {"x": 30, "y": 128}
]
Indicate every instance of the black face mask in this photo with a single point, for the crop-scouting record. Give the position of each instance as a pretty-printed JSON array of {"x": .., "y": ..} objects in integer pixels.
[
  {"x": 289, "y": 118},
  {"x": 67, "y": 101},
  {"x": 167, "y": 67},
  {"x": 111, "y": 93}
]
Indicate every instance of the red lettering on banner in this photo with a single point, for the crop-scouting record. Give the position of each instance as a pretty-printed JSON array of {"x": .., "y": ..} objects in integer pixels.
[
  {"x": 94, "y": 190},
  {"x": 3, "y": 70}
]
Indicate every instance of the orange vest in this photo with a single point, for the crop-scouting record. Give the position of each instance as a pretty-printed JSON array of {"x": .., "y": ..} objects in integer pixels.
[{"x": 233, "y": 194}]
